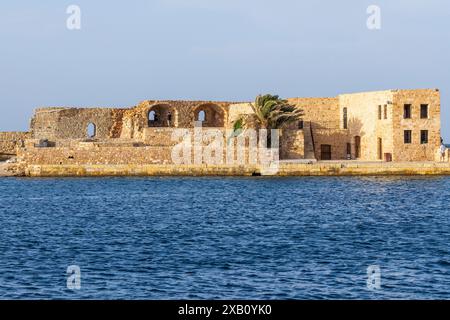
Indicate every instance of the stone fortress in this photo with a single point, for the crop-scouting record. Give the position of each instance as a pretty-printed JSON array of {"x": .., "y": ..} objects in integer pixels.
[{"x": 377, "y": 127}]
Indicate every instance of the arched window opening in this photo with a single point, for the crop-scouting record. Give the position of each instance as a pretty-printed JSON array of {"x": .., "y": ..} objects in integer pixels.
[
  {"x": 152, "y": 116},
  {"x": 209, "y": 115},
  {"x": 201, "y": 116},
  {"x": 91, "y": 130}
]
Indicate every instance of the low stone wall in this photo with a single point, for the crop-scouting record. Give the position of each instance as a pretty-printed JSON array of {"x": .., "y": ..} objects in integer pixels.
[
  {"x": 10, "y": 140},
  {"x": 91, "y": 154},
  {"x": 285, "y": 169},
  {"x": 97, "y": 153}
]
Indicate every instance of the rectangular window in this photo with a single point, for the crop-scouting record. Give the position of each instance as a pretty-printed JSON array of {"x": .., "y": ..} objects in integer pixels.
[
  {"x": 345, "y": 117},
  {"x": 300, "y": 124},
  {"x": 423, "y": 136},
  {"x": 423, "y": 111},
  {"x": 408, "y": 136},
  {"x": 385, "y": 111},
  {"x": 379, "y": 112},
  {"x": 407, "y": 111}
]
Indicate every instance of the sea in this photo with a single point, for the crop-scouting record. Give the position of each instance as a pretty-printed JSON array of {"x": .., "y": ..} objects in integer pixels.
[{"x": 225, "y": 238}]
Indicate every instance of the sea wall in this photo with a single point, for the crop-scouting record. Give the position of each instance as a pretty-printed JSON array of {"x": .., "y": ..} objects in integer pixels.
[{"x": 284, "y": 169}]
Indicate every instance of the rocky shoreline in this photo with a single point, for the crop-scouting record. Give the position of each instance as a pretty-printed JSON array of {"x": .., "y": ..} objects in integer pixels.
[
  {"x": 8, "y": 168},
  {"x": 4, "y": 172}
]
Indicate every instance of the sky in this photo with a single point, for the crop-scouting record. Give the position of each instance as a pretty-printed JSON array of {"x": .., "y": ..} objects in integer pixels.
[{"x": 129, "y": 51}]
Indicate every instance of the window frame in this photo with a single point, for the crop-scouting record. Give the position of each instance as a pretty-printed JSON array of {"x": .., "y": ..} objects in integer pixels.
[
  {"x": 407, "y": 141},
  {"x": 407, "y": 115},
  {"x": 422, "y": 140},
  {"x": 426, "y": 108}
]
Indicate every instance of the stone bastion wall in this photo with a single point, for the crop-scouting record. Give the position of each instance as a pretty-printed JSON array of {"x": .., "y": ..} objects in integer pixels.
[
  {"x": 157, "y": 147},
  {"x": 9, "y": 141}
]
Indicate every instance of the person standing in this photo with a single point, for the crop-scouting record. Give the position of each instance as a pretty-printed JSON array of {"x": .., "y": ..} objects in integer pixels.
[
  {"x": 442, "y": 150},
  {"x": 169, "y": 118}
]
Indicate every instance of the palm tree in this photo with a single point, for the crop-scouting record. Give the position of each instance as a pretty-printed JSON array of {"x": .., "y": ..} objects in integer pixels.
[{"x": 270, "y": 112}]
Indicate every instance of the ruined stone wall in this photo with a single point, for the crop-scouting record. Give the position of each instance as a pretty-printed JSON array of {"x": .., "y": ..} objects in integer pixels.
[
  {"x": 120, "y": 155},
  {"x": 96, "y": 155},
  {"x": 415, "y": 151},
  {"x": 363, "y": 121},
  {"x": 183, "y": 115},
  {"x": 119, "y": 129},
  {"x": 160, "y": 146},
  {"x": 72, "y": 123},
  {"x": 292, "y": 144},
  {"x": 9, "y": 141}
]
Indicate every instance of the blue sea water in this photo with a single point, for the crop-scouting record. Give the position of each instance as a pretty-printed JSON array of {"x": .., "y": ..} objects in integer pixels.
[{"x": 225, "y": 238}]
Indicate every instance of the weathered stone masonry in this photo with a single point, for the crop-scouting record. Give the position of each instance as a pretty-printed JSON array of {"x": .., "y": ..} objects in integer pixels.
[{"x": 364, "y": 126}]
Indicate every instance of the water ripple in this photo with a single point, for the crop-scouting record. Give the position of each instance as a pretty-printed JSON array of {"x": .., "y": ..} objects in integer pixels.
[{"x": 225, "y": 238}]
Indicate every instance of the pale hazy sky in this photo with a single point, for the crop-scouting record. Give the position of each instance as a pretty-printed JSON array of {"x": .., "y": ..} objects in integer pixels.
[{"x": 128, "y": 51}]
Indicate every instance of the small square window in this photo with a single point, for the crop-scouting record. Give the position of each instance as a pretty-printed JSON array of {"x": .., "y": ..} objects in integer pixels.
[
  {"x": 423, "y": 111},
  {"x": 423, "y": 136},
  {"x": 407, "y": 111},
  {"x": 407, "y": 136}
]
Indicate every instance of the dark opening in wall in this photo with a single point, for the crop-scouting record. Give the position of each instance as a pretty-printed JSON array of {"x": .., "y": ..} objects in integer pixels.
[
  {"x": 357, "y": 147},
  {"x": 380, "y": 149},
  {"x": 407, "y": 111},
  {"x": 209, "y": 115},
  {"x": 325, "y": 152},
  {"x": 423, "y": 136},
  {"x": 162, "y": 115},
  {"x": 407, "y": 136},
  {"x": 345, "y": 118},
  {"x": 423, "y": 111}
]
